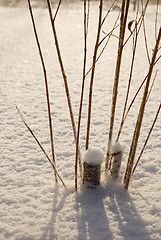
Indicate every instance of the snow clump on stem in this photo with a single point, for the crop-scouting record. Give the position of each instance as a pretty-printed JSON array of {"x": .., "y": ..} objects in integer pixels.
[{"x": 93, "y": 157}]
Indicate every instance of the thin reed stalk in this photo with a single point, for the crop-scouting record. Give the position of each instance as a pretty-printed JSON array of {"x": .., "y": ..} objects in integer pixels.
[
  {"x": 109, "y": 10},
  {"x": 46, "y": 83},
  {"x": 93, "y": 73},
  {"x": 156, "y": 19},
  {"x": 62, "y": 69},
  {"x": 135, "y": 139},
  {"x": 129, "y": 84},
  {"x": 145, "y": 38},
  {"x": 123, "y": 20},
  {"x": 152, "y": 85},
  {"x": 139, "y": 20},
  {"x": 104, "y": 47},
  {"x": 107, "y": 35},
  {"x": 57, "y": 10},
  {"x": 137, "y": 92},
  {"x": 86, "y": 20},
  {"x": 43, "y": 150},
  {"x": 146, "y": 141}
]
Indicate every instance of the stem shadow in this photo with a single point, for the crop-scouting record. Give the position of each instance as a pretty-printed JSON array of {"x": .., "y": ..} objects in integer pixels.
[
  {"x": 92, "y": 221},
  {"x": 58, "y": 203},
  {"x": 123, "y": 219}
]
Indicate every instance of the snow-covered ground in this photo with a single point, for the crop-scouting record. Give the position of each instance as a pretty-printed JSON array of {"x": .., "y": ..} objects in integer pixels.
[{"x": 32, "y": 207}]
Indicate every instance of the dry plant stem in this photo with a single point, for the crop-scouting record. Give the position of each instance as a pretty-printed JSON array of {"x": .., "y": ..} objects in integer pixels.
[
  {"x": 158, "y": 59},
  {"x": 152, "y": 85},
  {"x": 135, "y": 33},
  {"x": 145, "y": 38},
  {"x": 146, "y": 141},
  {"x": 52, "y": 164},
  {"x": 57, "y": 10},
  {"x": 46, "y": 84},
  {"x": 140, "y": 20},
  {"x": 86, "y": 18},
  {"x": 136, "y": 94},
  {"x": 109, "y": 10},
  {"x": 109, "y": 36},
  {"x": 132, "y": 152},
  {"x": 123, "y": 20},
  {"x": 88, "y": 11},
  {"x": 156, "y": 19},
  {"x": 129, "y": 84},
  {"x": 62, "y": 69},
  {"x": 93, "y": 73}
]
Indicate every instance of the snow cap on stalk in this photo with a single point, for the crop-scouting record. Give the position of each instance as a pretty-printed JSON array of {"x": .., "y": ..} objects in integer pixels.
[
  {"x": 93, "y": 156},
  {"x": 117, "y": 147}
]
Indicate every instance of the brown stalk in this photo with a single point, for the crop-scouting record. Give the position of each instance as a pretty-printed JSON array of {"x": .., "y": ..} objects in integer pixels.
[
  {"x": 109, "y": 36},
  {"x": 140, "y": 20},
  {"x": 158, "y": 59},
  {"x": 145, "y": 38},
  {"x": 93, "y": 73},
  {"x": 152, "y": 85},
  {"x": 136, "y": 94},
  {"x": 156, "y": 18},
  {"x": 86, "y": 20},
  {"x": 135, "y": 139},
  {"x": 123, "y": 20},
  {"x": 146, "y": 141},
  {"x": 62, "y": 68},
  {"x": 129, "y": 85},
  {"x": 52, "y": 164},
  {"x": 46, "y": 83},
  {"x": 57, "y": 10},
  {"x": 109, "y": 10}
]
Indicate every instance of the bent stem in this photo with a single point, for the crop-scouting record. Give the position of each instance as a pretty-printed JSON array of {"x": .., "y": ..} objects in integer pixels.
[
  {"x": 46, "y": 83},
  {"x": 52, "y": 164}
]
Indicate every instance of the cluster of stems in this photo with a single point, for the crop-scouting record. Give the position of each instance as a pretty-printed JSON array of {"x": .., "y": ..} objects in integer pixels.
[{"x": 138, "y": 22}]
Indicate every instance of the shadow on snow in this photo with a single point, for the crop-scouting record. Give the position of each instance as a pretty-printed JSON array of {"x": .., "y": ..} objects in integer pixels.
[{"x": 107, "y": 212}]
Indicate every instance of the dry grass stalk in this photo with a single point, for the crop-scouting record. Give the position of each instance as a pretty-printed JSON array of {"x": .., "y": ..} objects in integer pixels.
[
  {"x": 86, "y": 20},
  {"x": 136, "y": 94},
  {"x": 134, "y": 143},
  {"x": 62, "y": 71},
  {"x": 156, "y": 19},
  {"x": 146, "y": 141},
  {"x": 135, "y": 32},
  {"x": 123, "y": 20},
  {"x": 145, "y": 38},
  {"x": 139, "y": 20},
  {"x": 57, "y": 10},
  {"x": 109, "y": 10},
  {"x": 152, "y": 85},
  {"x": 109, "y": 35},
  {"x": 129, "y": 84},
  {"x": 52, "y": 164},
  {"x": 93, "y": 73},
  {"x": 46, "y": 83},
  {"x": 139, "y": 24}
]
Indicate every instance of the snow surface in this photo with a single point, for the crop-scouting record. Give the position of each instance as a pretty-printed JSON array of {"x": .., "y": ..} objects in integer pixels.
[
  {"x": 32, "y": 207},
  {"x": 93, "y": 156}
]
